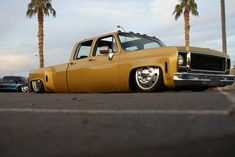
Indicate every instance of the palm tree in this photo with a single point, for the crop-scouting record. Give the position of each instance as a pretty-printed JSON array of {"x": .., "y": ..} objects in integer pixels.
[
  {"x": 40, "y": 8},
  {"x": 223, "y": 23},
  {"x": 186, "y": 7}
]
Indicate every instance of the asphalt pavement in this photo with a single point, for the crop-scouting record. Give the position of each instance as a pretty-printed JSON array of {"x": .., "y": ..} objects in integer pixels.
[{"x": 118, "y": 124}]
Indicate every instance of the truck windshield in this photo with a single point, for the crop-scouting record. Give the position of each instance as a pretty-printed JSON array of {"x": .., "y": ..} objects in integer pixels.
[{"x": 133, "y": 42}]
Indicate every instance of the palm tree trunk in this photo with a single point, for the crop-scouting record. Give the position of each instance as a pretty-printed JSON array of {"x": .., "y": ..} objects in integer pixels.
[
  {"x": 186, "y": 29},
  {"x": 223, "y": 23},
  {"x": 40, "y": 38}
]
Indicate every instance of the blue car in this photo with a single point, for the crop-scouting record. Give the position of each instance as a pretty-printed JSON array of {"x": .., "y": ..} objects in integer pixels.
[{"x": 14, "y": 84}]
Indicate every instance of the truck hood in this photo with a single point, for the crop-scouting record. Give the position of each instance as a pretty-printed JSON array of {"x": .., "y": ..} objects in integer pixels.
[
  {"x": 205, "y": 51},
  {"x": 172, "y": 50}
]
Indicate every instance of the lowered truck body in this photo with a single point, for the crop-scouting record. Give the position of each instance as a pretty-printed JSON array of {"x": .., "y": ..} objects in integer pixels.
[{"x": 123, "y": 62}]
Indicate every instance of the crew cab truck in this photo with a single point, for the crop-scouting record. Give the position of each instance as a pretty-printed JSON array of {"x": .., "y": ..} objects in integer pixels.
[
  {"x": 14, "y": 83},
  {"x": 125, "y": 62}
]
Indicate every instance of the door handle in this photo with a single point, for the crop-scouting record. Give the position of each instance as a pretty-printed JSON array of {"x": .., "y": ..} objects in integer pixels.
[
  {"x": 91, "y": 59},
  {"x": 72, "y": 63}
]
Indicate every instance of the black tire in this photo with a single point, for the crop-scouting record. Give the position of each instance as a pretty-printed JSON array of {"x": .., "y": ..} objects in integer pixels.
[
  {"x": 37, "y": 86},
  {"x": 149, "y": 79}
]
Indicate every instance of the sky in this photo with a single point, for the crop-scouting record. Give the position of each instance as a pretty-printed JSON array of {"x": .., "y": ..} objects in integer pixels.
[{"x": 78, "y": 19}]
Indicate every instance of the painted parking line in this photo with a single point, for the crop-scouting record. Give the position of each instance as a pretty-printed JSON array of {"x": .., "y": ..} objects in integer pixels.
[
  {"x": 230, "y": 97},
  {"x": 118, "y": 112}
]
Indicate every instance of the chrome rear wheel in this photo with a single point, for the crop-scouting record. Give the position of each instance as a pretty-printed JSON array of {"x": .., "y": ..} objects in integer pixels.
[{"x": 37, "y": 86}]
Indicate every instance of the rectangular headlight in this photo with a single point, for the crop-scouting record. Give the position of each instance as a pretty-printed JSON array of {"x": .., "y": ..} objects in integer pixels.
[{"x": 182, "y": 59}]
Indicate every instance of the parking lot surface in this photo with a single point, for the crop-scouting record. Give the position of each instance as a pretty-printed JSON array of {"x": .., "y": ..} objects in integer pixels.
[{"x": 118, "y": 124}]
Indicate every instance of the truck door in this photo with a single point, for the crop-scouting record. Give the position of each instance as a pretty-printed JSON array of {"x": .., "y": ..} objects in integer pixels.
[
  {"x": 77, "y": 74},
  {"x": 103, "y": 66}
]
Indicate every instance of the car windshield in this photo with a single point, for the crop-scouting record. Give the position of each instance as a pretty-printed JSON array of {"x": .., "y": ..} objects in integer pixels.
[
  {"x": 133, "y": 42},
  {"x": 23, "y": 80},
  {"x": 15, "y": 79}
]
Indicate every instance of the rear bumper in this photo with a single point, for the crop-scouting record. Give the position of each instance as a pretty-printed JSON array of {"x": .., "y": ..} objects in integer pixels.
[{"x": 200, "y": 79}]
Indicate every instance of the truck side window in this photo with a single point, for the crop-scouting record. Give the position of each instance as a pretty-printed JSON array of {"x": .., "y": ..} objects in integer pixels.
[
  {"x": 106, "y": 41},
  {"x": 83, "y": 50}
]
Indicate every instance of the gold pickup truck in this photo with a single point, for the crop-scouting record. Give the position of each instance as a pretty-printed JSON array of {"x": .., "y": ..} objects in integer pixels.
[{"x": 128, "y": 62}]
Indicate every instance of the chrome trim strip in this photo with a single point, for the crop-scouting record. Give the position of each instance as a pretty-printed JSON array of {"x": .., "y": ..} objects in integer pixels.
[
  {"x": 211, "y": 71},
  {"x": 188, "y": 59},
  {"x": 182, "y": 66},
  {"x": 202, "y": 74},
  {"x": 192, "y": 79}
]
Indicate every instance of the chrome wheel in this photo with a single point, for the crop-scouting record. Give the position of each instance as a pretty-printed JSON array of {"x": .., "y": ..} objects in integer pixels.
[
  {"x": 25, "y": 89},
  {"x": 37, "y": 86},
  {"x": 147, "y": 77}
]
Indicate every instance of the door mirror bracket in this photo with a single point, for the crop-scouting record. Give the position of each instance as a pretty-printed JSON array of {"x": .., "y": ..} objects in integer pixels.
[{"x": 111, "y": 56}]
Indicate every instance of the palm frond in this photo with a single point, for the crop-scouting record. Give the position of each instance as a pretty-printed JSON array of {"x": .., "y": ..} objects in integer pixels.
[
  {"x": 178, "y": 11},
  {"x": 44, "y": 5},
  {"x": 53, "y": 12},
  {"x": 194, "y": 9},
  {"x": 185, "y": 5}
]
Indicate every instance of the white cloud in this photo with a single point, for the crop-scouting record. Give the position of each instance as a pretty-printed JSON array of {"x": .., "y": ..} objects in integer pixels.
[
  {"x": 17, "y": 63},
  {"x": 162, "y": 8}
]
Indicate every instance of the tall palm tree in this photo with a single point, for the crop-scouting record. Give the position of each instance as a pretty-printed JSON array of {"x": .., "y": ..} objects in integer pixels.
[
  {"x": 40, "y": 8},
  {"x": 186, "y": 7},
  {"x": 223, "y": 23}
]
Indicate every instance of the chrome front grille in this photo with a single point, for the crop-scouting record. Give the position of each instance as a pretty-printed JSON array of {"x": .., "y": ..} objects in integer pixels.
[{"x": 207, "y": 62}]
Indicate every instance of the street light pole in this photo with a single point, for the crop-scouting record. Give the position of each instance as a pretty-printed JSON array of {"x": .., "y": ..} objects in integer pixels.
[
  {"x": 36, "y": 61},
  {"x": 11, "y": 70},
  {"x": 223, "y": 23}
]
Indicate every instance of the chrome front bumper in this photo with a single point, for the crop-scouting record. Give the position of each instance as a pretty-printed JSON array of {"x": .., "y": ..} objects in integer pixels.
[{"x": 200, "y": 79}]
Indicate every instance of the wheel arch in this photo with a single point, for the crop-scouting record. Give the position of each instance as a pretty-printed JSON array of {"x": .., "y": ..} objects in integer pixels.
[
  {"x": 36, "y": 79},
  {"x": 132, "y": 85},
  {"x": 45, "y": 75}
]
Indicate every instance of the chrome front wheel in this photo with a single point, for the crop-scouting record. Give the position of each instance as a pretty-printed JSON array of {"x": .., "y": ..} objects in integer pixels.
[
  {"x": 149, "y": 79},
  {"x": 25, "y": 89}
]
